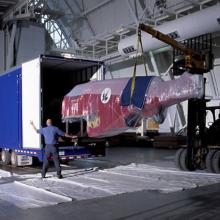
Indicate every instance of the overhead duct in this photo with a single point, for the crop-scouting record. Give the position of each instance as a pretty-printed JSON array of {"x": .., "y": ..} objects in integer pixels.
[{"x": 201, "y": 22}]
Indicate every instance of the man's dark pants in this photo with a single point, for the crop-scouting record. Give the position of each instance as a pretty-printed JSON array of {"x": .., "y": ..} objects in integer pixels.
[{"x": 51, "y": 150}]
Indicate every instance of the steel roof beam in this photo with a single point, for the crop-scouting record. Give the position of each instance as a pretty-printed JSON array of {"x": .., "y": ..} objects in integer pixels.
[
  {"x": 194, "y": 2},
  {"x": 89, "y": 24},
  {"x": 8, "y": 2},
  {"x": 134, "y": 14},
  {"x": 96, "y": 7}
]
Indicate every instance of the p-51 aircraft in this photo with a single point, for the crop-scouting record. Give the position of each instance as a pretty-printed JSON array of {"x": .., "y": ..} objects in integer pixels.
[{"x": 110, "y": 107}]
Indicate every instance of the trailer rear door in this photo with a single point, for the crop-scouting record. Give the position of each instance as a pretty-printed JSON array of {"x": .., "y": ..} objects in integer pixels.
[{"x": 31, "y": 107}]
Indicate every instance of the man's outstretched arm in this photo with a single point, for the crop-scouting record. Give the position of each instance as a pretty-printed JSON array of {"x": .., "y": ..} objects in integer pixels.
[
  {"x": 34, "y": 127},
  {"x": 70, "y": 136},
  {"x": 63, "y": 134}
]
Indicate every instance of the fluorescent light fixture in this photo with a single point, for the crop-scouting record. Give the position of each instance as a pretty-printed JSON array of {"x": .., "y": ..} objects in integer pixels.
[
  {"x": 111, "y": 37},
  {"x": 122, "y": 30},
  {"x": 205, "y": 1},
  {"x": 67, "y": 55},
  {"x": 184, "y": 9},
  {"x": 96, "y": 43},
  {"x": 162, "y": 17},
  {"x": 83, "y": 48},
  {"x": 125, "y": 32},
  {"x": 93, "y": 42}
]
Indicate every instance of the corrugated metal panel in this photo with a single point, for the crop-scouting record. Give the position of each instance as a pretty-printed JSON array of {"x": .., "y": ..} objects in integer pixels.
[{"x": 10, "y": 113}]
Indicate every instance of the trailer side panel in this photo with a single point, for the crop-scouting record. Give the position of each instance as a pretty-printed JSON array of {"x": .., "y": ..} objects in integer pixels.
[{"x": 10, "y": 114}]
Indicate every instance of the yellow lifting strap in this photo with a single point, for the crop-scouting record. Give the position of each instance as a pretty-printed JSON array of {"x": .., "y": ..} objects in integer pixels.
[{"x": 139, "y": 41}]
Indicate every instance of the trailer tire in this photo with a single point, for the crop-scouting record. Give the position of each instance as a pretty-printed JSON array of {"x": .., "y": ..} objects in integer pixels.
[
  {"x": 177, "y": 158},
  {"x": 209, "y": 161},
  {"x": 6, "y": 157},
  {"x": 14, "y": 159},
  {"x": 184, "y": 161},
  {"x": 216, "y": 162}
]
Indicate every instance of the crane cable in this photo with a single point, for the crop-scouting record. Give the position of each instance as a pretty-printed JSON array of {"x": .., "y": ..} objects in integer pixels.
[{"x": 139, "y": 42}]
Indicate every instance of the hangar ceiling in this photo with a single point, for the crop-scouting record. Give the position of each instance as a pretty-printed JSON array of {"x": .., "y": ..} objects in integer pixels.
[
  {"x": 93, "y": 28},
  {"x": 6, "y": 4}
]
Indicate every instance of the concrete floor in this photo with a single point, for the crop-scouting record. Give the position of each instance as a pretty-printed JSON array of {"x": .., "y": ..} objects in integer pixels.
[{"x": 198, "y": 203}]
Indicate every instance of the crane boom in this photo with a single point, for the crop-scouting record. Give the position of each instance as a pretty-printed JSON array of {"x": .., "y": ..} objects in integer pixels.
[{"x": 193, "y": 60}]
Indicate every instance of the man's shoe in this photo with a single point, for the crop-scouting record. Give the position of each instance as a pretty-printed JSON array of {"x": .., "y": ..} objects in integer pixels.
[
  {"x": 43, "y": 176},
  {"x": 60, "y": 176}
]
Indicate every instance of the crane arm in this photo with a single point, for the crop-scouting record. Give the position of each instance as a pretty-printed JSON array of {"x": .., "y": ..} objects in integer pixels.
[
  {"x": 166, "y": 39},
  {"x": 194, "y": 61}
]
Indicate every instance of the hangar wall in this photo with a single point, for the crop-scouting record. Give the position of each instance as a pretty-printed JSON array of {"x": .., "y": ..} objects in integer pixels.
[
  {"x": 21, "y": 42},
  {"x": 29, "y": 35}
]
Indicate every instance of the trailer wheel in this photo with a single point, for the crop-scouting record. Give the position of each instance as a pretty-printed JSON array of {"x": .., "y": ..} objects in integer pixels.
[
  {"x": 14, "y": 159},
  {"x": 216, "y": 162},
  {"x": 177, "y": 158},
  {"x": 6, "y": 157},
  {"x": 209, "y": 161},
  {"x": 184, "y": 161}
]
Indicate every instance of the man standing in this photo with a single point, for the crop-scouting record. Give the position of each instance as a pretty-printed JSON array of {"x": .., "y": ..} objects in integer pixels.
[{"x": 50, "y": 134}]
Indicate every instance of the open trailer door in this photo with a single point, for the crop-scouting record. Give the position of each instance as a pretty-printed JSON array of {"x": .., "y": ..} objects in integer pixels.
[{"x": 31, "y": 103}]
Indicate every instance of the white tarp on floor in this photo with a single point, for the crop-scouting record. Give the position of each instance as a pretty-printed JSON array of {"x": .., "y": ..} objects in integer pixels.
[
  {"x": 4, "y": 174},
  {"x": 30, "y": 191},
  {"x": 28, "y": 197}
]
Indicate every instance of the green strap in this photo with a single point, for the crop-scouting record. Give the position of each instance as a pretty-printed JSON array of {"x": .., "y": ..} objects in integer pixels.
[
  {"x": 134, "y": 71},
  {"x": 139, "y": 41},
  {"x": 142, "y": 50}
]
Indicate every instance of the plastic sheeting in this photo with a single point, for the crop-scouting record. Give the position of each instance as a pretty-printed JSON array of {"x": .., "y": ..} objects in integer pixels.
[
  {"x": 4, "y": 174},
  {"x": 28, "y": 197},
  {"x": 30, "y": 191},
  {"x": 99, "y": 103},
  {"x": 12, "y": 190},
  {"x": 70, "y": 188}
]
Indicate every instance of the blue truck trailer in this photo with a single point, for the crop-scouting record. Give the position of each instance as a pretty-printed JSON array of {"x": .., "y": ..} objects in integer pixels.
[{"x": 34, "y": 91}]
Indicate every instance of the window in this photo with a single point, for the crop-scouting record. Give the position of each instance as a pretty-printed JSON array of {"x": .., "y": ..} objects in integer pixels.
[{"x": 53, "y": 28}]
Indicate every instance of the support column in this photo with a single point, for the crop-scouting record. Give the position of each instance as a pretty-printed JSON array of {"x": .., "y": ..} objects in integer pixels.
[{"x": 10, "y": 47}]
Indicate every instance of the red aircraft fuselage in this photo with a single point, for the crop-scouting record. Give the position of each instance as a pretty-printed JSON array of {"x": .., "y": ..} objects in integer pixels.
[{"x": 99, "y": 102}]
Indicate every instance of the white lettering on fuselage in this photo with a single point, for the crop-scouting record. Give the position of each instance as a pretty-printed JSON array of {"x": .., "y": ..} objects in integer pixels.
[{"x": 74, "y": 106}]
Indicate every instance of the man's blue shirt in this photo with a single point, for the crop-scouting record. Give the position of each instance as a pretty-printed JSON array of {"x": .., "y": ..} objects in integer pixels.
[{"x": 50, "y": 134}]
